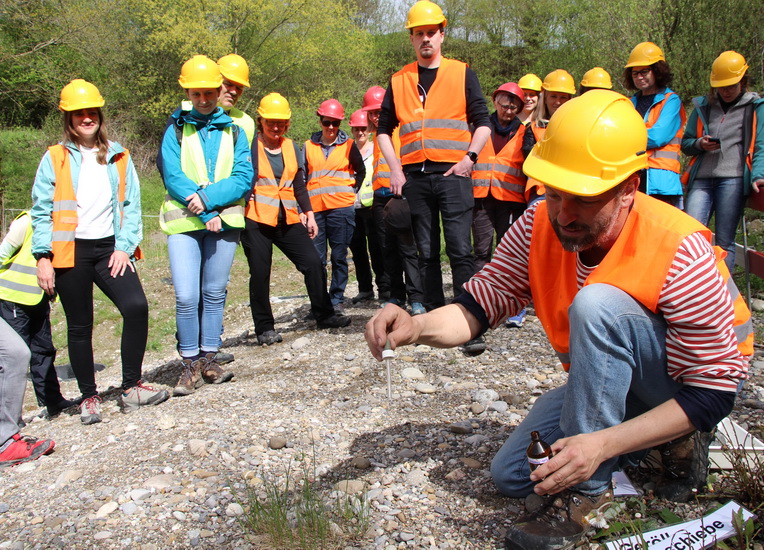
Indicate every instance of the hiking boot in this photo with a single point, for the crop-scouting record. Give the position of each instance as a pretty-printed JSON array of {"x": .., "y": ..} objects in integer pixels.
[
  {"x": 417, "y": 308},
  {"x": 559, "y": 523},
  {"x": 222, "y": 358},
  {"x": 384, "y": 295},
  {"x": 339, "y": 309},
  {"x": 685, "y": 466},
  {"x": 363, "y": 296},
  {"x": 24, "y": 448},
  {"x": 474, "y": 347},
  {"x": 516, "y": 321},
  {"x": 333, "y": 321},
  {"x": 90, "y": 410},
  {"x": 190, "y": 378},
  {"x": 212, "y": 372},
  {"x": 139, "y": 395},
  {"x": 269, "y": 337}
]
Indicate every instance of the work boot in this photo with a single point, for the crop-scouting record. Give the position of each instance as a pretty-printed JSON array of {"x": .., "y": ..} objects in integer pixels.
[
  {"x": 190, "y": 378},
  {"x": 221, "y": 358},
  {"x": 685, "y": 466},
  {"x": 474, "y": 347},
  {"x": 269, "y": 337},
  {"x": 212, "y": 372},
  {"x": 559, "y": 523},
  {"x": 141, "y": 395},
  {"x": 333, "y": 321},
  {"x": 363, "y": 296}
]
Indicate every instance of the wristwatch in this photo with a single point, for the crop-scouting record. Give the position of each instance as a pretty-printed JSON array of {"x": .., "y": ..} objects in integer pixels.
[{"x": 473, "y": 156}]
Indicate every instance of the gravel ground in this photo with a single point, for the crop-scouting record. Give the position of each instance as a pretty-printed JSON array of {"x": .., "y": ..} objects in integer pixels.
[{"x": 175, "y": 475}]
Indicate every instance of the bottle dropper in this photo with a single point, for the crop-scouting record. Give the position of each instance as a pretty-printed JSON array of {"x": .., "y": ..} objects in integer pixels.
[{"x": 388, "y": 354}]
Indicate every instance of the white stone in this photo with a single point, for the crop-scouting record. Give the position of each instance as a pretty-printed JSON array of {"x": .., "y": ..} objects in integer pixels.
[
  {"x": 425, "y": 388},
  {"x": 485, "y": 396},
  {"x": 106, "y": 509},
  {"x": 138, "y": 495},
  {"x": 300, "y": 343},
  {"x": 412, "y": 373},
  {"x": 233, "y": 510},
  {"x": 197, "y": 447}
]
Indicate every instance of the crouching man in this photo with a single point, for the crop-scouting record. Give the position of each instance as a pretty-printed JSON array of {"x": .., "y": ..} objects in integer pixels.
[{"x": 635, "y": 301}]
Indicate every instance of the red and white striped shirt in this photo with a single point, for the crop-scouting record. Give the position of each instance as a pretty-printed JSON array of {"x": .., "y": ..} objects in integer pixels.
[{"x": 701, "y": 346}]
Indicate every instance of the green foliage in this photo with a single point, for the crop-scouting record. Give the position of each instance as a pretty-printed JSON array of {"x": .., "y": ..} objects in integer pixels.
[{"x": 20, "y": 153}]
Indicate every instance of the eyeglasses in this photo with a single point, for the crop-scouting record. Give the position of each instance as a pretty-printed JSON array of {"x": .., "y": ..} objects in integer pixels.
[
  {"x": 273, "y": 122},
  {"x": 333, "y": 123},
  {"x": 643, "y": 73},
  {"x": 508, "y": 106}
]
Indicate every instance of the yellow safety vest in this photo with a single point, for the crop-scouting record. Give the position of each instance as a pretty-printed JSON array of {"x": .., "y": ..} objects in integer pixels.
[{"x": 18, "y": 277}]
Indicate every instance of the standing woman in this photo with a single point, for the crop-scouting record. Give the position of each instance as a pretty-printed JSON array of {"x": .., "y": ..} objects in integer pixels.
[
  {"x": 649, "y": 75},
  {"x": 530, "y": 84},
  {"x": 725, "y": 138},
  {"x": 279, "y": 212},
  {"x": 207, "y": 171},
  {"x": 87, "y": 225}
]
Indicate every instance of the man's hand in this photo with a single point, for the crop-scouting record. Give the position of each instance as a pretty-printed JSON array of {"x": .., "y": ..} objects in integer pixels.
[
  {"x": 706, "y": 144},
  {"x": 575, "y": 461},
  {"x": 215, "y": 225},
  {"x": 46, "y": 276},
  {"x": 397, "y": 181},
  {"x": 389, "y": 324},
  {"x": 461, "y": 168},
  {"x": 195, "y": 204},
  {"x": 757, "y": 184},
  {"x": 119, "y": 262}
]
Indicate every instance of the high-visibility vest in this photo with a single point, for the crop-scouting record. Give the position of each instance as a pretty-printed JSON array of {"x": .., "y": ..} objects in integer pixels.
[
  {"x": 365, "y": 195},
  {"x": 175, "y": 217},
  {"x": 438, "y": 130},
  {"x": 244, "y": 121},
  {"x": 269, "y": 194},
  {"x": 666, "y": 157},
  {"x": 381, "y": 176},
  {"x": 502, "y": 172},
  {"x": 18, "y": 276},
  {"x": 64, "y": 213},
  {"x": 330, "y": 180},
  {"x": 638, "y": 263},
  {"x": 533, "y": 185}
]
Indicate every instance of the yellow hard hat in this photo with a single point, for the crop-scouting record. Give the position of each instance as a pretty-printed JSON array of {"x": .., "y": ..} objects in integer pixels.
[
  {"x": 597, "y": 78},
  {"x": 593, "y": 143},
  {"x": 424, "y": 13},
  {"x": 530, "y": 82},
  {"x": 80, "y": 94},
  {"x": 644, "y": 54},
  {"x": 728, "y": 69},
  {"x": 234, "y": 68},
  {"x": 274, "y": 106},
  {"x": 200, "y": 72},
  {"x": 559, "y": 81}
]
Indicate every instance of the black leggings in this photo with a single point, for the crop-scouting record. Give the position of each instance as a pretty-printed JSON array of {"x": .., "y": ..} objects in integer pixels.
[{"x": 75, "y": 288}]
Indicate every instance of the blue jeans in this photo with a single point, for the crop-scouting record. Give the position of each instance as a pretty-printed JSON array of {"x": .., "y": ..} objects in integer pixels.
[
  {"x": 14, "y": 362},
  {"x": 617, "y": 372},
  {"x": 200, "y": 262},
  {"x": 336, "y": 226},
  {"x": 725, "y": 198}
]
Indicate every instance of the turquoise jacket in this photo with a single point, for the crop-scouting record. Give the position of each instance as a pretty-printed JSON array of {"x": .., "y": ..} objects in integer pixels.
[
  {"x": 217, "y": 194},
  {"x": 127, "y": 234}
]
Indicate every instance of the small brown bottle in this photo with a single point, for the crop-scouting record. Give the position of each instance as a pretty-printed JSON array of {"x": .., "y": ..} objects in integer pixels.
[{"x": 538, "y": 451}]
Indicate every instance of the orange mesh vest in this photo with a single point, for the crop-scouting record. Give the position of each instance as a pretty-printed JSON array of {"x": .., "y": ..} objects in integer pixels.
[
  {"x": 502, "y": 172},
  {"x": 64, "y": 214},
  {"x": 666, "y": 157},
  {"x": 268, "y": 194},
  {"x": 638, "y": 264},
  {"x": 438, "y": 130},
  {"x": 535, "y": 185},
  {"x": 381, "y": 174},
  {"x": 330, "y": 180}
]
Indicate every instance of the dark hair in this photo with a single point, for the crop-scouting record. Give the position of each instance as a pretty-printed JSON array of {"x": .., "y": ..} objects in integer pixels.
[
  {"x": 661, "y": 72},
  {"x": 102, "y": 141}
]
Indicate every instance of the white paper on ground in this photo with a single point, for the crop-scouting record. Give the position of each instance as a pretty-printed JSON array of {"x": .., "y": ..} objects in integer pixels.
[
  {"x": 690, "y": 535},
  {"x": 623, "y": 485}
]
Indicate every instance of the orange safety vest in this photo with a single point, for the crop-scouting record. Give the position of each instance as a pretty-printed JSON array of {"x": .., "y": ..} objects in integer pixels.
[
  {"x": 631, "y": 264},
  {"x": 501, "y": 172},
  {"x": 666, "y": 157},
  {"x": 64, "y": 214},
  {"x": 532, "y": 184},
  {"x": 269, "y": 194},
  {"x": 438, "y": 130},
  {"x": 330, "y": 180},
  {"x": 381, "y": 175}
]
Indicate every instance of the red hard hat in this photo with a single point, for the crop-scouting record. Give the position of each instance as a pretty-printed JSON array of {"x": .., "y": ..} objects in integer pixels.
[
  {"x": 359, "y": 119},
  {"x": 331, "y": 108},
  {"x": 372, "y": 99},
  {"x": 510, "y": 88}
]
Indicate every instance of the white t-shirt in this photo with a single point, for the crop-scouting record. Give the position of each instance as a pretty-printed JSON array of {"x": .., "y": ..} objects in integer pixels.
[{"x": 95, "y": 217}]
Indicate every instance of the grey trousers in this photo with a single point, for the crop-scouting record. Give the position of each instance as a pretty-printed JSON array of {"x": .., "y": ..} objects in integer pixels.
[{"x": 14, "y": 362}]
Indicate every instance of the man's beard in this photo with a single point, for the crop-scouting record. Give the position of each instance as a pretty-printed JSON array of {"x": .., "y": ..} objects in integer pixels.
[{"x": 588, "y": 239}]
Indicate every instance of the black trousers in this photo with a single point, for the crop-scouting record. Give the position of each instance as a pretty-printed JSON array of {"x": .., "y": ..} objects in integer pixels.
[
  {"x": 366, "y": 235},
  {"x": 257, "y": 240},
  {"x": 75, "y": 289}
]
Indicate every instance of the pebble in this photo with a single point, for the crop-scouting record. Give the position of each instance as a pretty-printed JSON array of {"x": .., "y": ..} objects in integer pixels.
[
  {"x": 159, "y": 482},
  {"x": 498, "y": 406},
  {"x": 425, "y": 388},
  {"x": 166, "y": 423},
  {"x": 463, "y": 427},
  {"x": 4, "y": 507},
  {"x": 350, "y": 487},
  {"x": 277, "y": 442},
  {"x": 234, "y": 510},
  {"x": 106, "y": 509},
  {"x": 361, "y": 462},
  {"x": 485, "y": 396},
  {"x": 102, "y": 535},
  {"x": 180, "y": 516},
  {"x": 197, "y": 447},
  {"x": 472, "y": 463},
  {"x": 477, "y": 408},
  {"x": 412, "y": 373},
  {"x": 129, "y": 508},
  {"x": 477, "y": 439},
  {"x": 66, "y": 477},
  {"x": 350, "y": 357},
  {"x": 300, "y": 343},
  {"x": 138, "y": 495}
]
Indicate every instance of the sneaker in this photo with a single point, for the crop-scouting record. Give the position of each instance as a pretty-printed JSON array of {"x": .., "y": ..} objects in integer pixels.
[
  {"x": 269, "y": 337},
  {"x": 517, "y": 320},
  {"x": 212, "y": 373},
  {"x": 684, "y": 464},
  {"x": 140, "y": 395},
  {"x": 333, "y": 321},
  {"x": 90, "y": 410},
  {"x": 474, "y": 347},
  {"x": 394, "y": 301},
  {"x": 190, "y": 378},
  {"x": 222, "y": 358},
  {"x": 417, "y": 308},
  {"x": 558, "y": 524},
  {"x": 363, "y": 296},
  {"x": 24, "y": 448}
]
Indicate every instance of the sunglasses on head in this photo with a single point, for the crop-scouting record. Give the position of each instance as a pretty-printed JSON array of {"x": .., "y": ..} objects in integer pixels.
[{"x": 334, "y": 123}]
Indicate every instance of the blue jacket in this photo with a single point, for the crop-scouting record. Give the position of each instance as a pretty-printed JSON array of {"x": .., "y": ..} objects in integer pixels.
[
  {"x": 127, "y": 235},
  {"x": 217, "y": 194},
  {"x": 663, "y": 182}
]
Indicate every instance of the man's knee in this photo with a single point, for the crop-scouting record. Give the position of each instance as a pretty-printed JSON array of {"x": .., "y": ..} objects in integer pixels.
[{"x": 509, "y": 481}]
